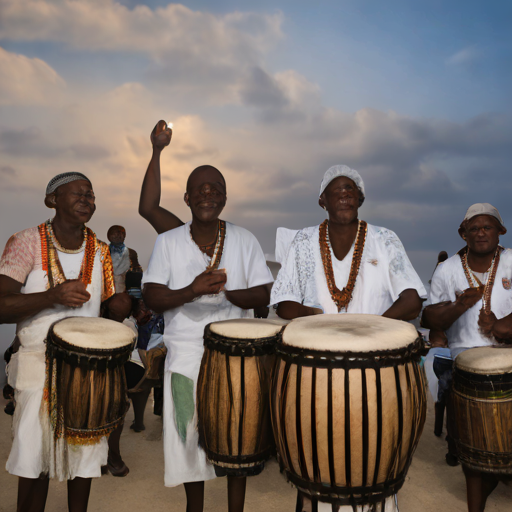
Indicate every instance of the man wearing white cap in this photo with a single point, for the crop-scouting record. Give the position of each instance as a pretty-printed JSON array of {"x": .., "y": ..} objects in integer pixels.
[
  {"x": 49, "y": 272},
  {"x": 471, "y": 295},
  {"x": 345, "y": 265}
]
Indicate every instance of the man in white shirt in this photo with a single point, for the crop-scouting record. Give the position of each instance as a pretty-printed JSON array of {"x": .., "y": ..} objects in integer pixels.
[
  {"x": 471, "y": 297},
  {"x": 346, "y": 266},
  {"x": 200, "y": 272}
]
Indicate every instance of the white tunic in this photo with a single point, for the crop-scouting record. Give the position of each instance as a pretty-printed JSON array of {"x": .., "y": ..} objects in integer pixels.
[
  {"x": 21, "y": 261},
  {"x": 385, "y": 272},
  {"x": 449, "y": 279},
  {"x": 175, "y": 262}
]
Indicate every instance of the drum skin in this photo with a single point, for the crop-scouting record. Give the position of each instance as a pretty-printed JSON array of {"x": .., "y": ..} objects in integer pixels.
[
  {"x": 482, "y": 411},
  {"x": 233, "y": 403},
  {"x": 86, "y": 387},
  {"x": 346, "y": 425}
]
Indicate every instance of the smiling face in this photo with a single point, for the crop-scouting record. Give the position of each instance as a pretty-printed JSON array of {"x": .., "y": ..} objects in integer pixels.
[
  {"x": 74, "y": 202},
  {"x": 116, "y": 235},
  {"x": 341, "y": 200},
  {"x": 206, "y": 193},
  {"x": 482, "y": 234}
]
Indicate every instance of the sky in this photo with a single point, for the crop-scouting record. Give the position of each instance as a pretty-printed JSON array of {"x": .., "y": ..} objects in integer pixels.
[{"x": 414, "y": 95}]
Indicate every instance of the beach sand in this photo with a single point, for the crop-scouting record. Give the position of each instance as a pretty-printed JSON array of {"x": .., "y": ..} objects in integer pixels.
[{"x": 431, "y": 485}]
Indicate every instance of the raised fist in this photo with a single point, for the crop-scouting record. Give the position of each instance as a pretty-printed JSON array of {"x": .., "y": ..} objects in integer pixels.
[{"x": 161, "y": 135}]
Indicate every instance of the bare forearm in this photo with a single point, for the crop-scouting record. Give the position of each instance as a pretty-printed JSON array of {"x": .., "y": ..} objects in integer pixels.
[
  {"x": 249, "y": 298},
  {"x": 441, "y": 317},
  {"x": 15, "y": 307},
  {"x": 289, "y": 310},
  {"x": 159, "y": 298},
  {"x": 150, "y": 195},
  {"x": 406, "y": 307}
]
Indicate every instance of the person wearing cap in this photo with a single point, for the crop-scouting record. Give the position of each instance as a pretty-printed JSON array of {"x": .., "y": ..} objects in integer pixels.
[
  {"x": 206, "y": 270},
  {"x": 45, "y": 277},
  {"x": 471, "y": 296},
  {"x": 346, "y": 265}
]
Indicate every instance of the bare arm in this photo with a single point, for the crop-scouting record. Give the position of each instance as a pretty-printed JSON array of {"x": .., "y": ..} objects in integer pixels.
[
  {"x": 289, "y": 310},
  {"x": 249, "y": 298},
  {"x": 160, "y": 298},
  {"x": 16, "y": 306},
  {"x": 406, "y": 307},
  {"x": 149, "y": 204},
  {"x": 441, "y": 316}
]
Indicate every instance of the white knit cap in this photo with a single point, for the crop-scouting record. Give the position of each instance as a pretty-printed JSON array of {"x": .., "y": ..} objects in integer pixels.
[
  {"x": 483, "y": 209},
  {"x": 63, "y": 179},
  {"x": 342, "y": 170}
]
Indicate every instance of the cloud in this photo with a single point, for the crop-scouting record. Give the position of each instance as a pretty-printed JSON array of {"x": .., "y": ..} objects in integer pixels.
[
  {"x": 26, "y": 81},
  {"x": 465, "y": 56}
]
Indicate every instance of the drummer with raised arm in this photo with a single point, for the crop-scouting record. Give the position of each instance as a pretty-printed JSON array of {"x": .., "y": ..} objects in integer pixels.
[
  {"x": 471, "y": 295},
  {"x": 49, "y": 272},
  {"x": 200, "y": 272},
  {"x": 346, "y": 265}
]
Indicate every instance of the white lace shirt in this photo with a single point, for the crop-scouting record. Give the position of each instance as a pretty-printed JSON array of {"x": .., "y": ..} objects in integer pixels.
[{"x": 385, "y": 272}]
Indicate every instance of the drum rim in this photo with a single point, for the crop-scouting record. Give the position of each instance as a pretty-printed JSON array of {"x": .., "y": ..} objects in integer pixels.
[
  {"x": 241, "y": 346},
  {"x": 351, "y": 360}
]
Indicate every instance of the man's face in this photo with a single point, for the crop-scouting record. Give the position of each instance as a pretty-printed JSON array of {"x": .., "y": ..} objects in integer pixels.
[
  {"x": 116, "y": 236},
  {"x": 341, "y": 199},
  {"x": 206, "y": 194},
  {"x": 75, "y": 201},
  {"x": 482, "y": 234}
]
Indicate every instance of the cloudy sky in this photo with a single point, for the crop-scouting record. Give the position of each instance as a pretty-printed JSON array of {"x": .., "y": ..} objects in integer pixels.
[{"x": 415, "y": 95}]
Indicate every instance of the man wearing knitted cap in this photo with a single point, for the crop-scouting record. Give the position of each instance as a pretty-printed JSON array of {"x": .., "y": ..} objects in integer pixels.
[
  {"x": 344, "y": 265},
  {"x": 471, "y": 295},
  {"x": 37, "y": 288}
]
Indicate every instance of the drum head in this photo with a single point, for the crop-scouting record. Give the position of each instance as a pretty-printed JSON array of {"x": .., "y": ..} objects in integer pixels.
[
  {"x": 485, "y": 360},
  {"x": 349, "y": 333},
  {"x": 248, "y": 328},
  {"x": 93, "y": 333}
]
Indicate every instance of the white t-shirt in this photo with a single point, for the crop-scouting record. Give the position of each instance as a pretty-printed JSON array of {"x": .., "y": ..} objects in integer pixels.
[
  {"x": 175, "y": 262},
  {"x": 385, "y": 272},
  {"x": 449, "y": 279}
]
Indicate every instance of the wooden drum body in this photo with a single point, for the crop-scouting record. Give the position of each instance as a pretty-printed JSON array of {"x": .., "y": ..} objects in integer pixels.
[
  {"x": 233, "y": 394},
  {"x": 482, "y": 408},
  {"x": 348, "y": 411},
  {"x": 85, "y": 385}
]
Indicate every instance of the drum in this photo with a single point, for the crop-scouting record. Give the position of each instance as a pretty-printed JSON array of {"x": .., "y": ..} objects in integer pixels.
[
  {"x": 482, "y": 408},
  {"x": 85, "y": 384},
  {"x": 348, "y": 404},
  {"x": 233, "y": 394}
]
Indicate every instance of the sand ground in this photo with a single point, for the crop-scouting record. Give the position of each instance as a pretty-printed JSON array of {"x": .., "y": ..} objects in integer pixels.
[{"x": 431, "y": 485}]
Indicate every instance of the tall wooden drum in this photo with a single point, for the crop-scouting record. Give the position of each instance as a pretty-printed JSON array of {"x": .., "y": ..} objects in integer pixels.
[
  {"x": 348, "y": 406},
  {"x": 85, "y": 386},
  {"x": 233, "y": 394},
  {"x": 482, "y": 408}
]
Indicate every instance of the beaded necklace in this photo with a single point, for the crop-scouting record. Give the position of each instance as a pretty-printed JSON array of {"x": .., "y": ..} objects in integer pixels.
[
  {"x": 475, "y": 283},
  {"x": 342, "y": 298},
  {"x": 219, "y": 246},
  {"x": 50, "y": 257}
]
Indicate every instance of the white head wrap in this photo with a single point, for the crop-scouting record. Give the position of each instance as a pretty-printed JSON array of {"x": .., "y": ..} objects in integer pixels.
[
  {"x": 342, "y": 170},
  {"x": 62, "y": 179}
]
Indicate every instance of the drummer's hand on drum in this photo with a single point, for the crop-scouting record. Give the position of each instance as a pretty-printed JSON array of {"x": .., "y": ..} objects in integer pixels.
[
  {"x": 71, "y": 293},
  {"x": 209, "y": 282},
  {"x": 486, "y": 322},
  {"x": 161, "y": 135},
  {"x": 469, "y": 297},
  {"x": 502, "y": 330}
]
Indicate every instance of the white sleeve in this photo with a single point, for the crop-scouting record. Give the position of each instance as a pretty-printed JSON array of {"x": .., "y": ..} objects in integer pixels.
[
  {"x": 438, "y": 291},
  {"x": 255, "y": 264},
  {"x": 288, "y": 283},
  {"x": 159, "y": 268},
  {"x": 401, "y": 272}
]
